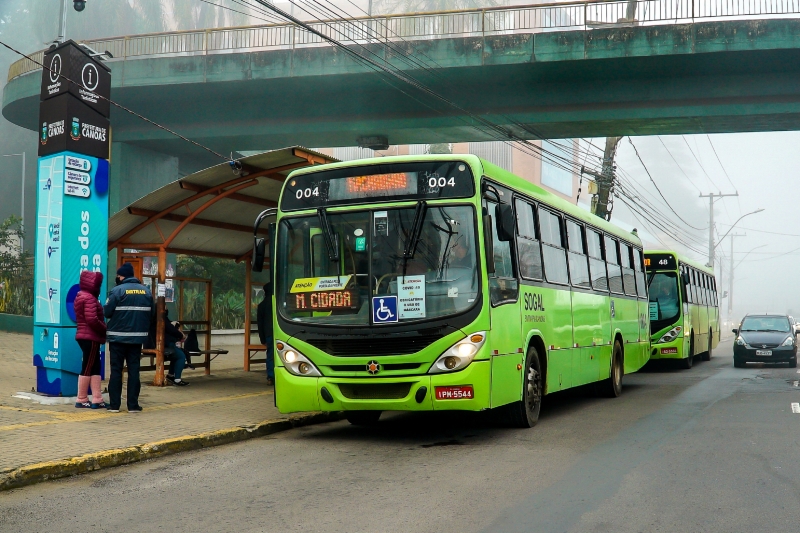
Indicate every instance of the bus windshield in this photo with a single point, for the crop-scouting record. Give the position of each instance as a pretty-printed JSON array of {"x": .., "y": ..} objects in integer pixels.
[
  {"x": 338, "y": 262},
  {"x": 665, "y": 304}
]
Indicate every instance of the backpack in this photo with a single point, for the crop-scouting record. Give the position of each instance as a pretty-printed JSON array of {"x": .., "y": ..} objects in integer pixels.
[{"x": 191, "y": 346}]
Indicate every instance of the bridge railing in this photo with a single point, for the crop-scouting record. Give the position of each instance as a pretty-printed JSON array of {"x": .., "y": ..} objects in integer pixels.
[{"x": 396, "y": 28}]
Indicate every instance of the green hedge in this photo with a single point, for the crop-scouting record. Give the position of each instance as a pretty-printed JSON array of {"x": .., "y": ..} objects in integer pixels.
[{"x": 16, "y": 323}]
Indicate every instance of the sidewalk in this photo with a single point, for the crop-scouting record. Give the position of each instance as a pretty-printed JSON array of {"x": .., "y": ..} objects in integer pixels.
[{"x": 33, "y": 433}]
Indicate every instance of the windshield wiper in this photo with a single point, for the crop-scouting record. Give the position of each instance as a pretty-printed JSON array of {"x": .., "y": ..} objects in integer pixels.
[
  {"x": 416, "y": 231},
  {"x": 331, "y": 239}
]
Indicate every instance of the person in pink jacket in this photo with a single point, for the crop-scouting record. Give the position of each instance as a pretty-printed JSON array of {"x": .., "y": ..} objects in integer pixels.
[{"x": 91, "y": 333}]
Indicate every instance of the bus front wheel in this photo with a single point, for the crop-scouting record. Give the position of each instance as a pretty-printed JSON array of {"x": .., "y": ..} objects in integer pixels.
[
  {"x": 686, "y": 364},
  {"x": 363, "y": 418},
  {"x": 525, "y": 413},
  {"x": 612, "y": 387}
]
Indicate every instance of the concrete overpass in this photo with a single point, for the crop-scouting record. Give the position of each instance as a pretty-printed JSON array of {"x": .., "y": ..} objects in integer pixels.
[{"x": 547, "y": 71}]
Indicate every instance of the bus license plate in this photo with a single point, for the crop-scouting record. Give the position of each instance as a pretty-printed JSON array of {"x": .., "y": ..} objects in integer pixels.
[
  {"x": 763, "y": 352},
  {"x": 462, "y": 392}
]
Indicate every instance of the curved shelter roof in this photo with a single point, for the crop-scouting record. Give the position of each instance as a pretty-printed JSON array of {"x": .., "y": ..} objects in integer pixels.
[{"x": 210, "y": 212}]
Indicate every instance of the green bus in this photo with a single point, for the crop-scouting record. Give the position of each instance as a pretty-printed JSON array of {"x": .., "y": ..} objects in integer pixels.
[
  {"x": 684, "y": 307},
  {"x": 444, "y": 282}
]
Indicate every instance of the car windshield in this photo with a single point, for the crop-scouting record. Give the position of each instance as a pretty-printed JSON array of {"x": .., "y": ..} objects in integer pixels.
[
  {"x": 665, "y": 303},
  {"x": 366, "y": 267},
  {"x": 778, "y": 324}
]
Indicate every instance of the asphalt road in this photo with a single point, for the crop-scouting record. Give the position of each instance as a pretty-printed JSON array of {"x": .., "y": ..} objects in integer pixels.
[{"x": 703, "y": 450}]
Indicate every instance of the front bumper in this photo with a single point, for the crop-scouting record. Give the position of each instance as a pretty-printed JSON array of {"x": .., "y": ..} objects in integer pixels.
[
  {"x": 667, "y": 350},
  {"x": 747, "y": 354},
  {"x": 297, "y": 394}
]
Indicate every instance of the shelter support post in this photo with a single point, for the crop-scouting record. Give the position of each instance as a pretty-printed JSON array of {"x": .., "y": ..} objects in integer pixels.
[
  {"x": 158, "y": 380},
  {"x": 248, "y": 304}
]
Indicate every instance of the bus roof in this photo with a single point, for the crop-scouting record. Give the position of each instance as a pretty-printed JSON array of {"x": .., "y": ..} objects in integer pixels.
[
  {"x": 682, "y": 259},
  {"x": 505, "y": 177}
]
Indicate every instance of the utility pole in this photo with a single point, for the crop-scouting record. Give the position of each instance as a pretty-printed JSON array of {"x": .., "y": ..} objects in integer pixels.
[
  {"x": 730, "y": 276},
  {"x": 711, "y": 245},
  {"x": 605, "y": 180}
]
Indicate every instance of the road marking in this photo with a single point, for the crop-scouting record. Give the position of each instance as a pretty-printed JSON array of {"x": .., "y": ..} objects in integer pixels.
[
  {"x": 796, "y": 407},
  {"x": 796, "y": 383}
]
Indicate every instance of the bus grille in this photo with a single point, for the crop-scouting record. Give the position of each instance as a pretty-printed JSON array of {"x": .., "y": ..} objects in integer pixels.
[
  {"x": 378, "y": 391},
  {"x": 372, "y": 346},
  {"x": 363, "y": 368}
]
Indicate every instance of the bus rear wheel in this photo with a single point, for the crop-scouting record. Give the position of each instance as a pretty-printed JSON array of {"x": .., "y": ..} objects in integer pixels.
[
  {"x": 363, "y": 418},
  {"x": 525, "y": 413},
  {"x": 612, "y": 387}
]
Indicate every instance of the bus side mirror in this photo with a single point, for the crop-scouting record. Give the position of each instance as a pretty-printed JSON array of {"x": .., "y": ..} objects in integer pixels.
[
  {"x": 259, "y": 252},
  {"x": 505, "y": 222},
  {"x": 488, "y": 246},
  {"x": 735, "y": 331}
]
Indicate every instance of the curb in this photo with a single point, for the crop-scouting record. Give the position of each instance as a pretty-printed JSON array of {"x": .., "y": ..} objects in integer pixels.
[{"x": 38, "y": 472}]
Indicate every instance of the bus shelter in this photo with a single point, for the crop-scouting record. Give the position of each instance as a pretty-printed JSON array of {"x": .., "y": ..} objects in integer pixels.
[{"x": 209, "y": 213}]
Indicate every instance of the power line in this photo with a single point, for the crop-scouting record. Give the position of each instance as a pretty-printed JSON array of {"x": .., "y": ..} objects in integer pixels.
[
  {"x": 657, "y": 187},
  {"x": 494, "y": 130},
  {"x": 676, "y": 163}
]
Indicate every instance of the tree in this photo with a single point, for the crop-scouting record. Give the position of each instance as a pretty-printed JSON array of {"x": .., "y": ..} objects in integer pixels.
[{"x": 16, "y": 270}]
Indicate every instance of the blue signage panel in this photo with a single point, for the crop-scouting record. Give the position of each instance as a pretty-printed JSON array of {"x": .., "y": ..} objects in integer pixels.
[
  {"x": 384, "y": 309},
  {"x": 71, "y": 236}
]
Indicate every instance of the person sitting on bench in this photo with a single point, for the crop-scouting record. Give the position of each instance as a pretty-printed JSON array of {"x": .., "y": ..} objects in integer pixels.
[{"x": 176, "y": 355}]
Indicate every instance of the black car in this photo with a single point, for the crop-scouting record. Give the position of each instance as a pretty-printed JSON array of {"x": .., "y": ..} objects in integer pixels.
[{"x": 765, "y": 339}]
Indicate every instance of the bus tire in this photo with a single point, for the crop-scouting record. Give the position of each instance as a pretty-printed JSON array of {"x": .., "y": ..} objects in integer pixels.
[
  {"x": 687, "y": 363},
  {"x": 612, "y": 387},
  {"x": 363, "y": 418},
  {"x": 525, "y": 413},
  {"x": 706, "y": 356}
]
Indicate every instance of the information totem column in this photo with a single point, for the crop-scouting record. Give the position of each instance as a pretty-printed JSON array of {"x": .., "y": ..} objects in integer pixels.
[{"x": 71, "y": 207}]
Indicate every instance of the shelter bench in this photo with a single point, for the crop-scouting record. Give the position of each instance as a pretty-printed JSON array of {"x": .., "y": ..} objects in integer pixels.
[{"x": 205, "y": 364}]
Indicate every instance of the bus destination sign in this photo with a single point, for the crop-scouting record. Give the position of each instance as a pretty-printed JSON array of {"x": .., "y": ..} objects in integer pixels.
[
  {"x": 424, "y": 180},
  {"x": 660, "y": 262},
  {"x": 322, "y": 300}
]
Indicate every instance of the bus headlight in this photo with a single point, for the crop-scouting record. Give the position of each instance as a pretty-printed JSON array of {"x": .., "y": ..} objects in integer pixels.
[
  {"x": 788, "y": 342},
  {"x": 295, "y": 362},
  {"x": 460, "y": 355},
  {"x": 671, "y": 335}
]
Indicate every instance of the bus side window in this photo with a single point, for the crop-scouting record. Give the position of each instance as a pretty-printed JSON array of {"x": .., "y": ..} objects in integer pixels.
[
  {"x": 528, "y": 250},
  {"x": 628, "y": 278},
  {"x": 503, "y": 284},
  {"x": 614, "y": 269},
  {"x": 553, "y": 253},
  {"x": 578, "y": 262},
  {"x": 641, "y": 285},
  {"x": 597, "y": 266},
  {"x": 706, "y": 292},
  {"x": 714, "y": 288},
  {"x": 695, "y": 292}
]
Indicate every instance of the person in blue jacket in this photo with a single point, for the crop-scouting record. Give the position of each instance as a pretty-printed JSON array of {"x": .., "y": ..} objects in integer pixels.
[{"x": 129, "y": 311}]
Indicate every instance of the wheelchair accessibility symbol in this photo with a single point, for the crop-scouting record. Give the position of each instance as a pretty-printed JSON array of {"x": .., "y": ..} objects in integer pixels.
[{"x": 384, "y": 309}]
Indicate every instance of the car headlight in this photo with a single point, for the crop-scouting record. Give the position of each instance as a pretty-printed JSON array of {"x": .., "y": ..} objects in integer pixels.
[
  {"x": 671, "y": 335},
  {"x": 460, "y": 355},
  {"x": 740, "y": 341},
  {"x": 788, "y": 342},
  {"x": 295, "y": 362}
]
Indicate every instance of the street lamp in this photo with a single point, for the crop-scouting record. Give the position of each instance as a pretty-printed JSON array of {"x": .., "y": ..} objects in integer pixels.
[
  {"x": 22, "y": 214},
  {"x": 711, "y": 251}
]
